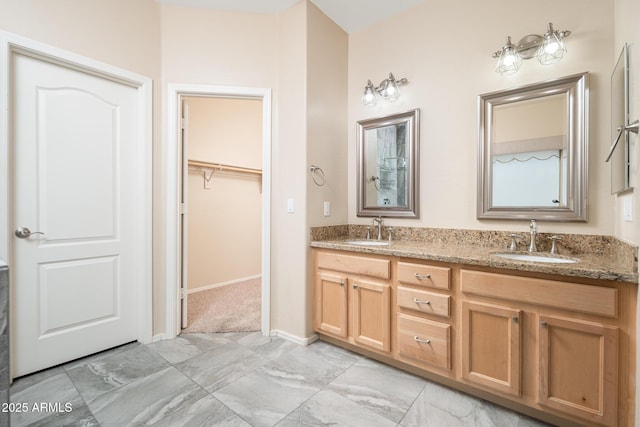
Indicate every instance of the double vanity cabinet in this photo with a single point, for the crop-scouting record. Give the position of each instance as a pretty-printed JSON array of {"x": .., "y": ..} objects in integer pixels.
[{"x": 561, "y": 349}]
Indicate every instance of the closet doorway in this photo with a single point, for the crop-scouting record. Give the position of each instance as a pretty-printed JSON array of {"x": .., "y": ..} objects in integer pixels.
[{"x": 222, "y": 206}]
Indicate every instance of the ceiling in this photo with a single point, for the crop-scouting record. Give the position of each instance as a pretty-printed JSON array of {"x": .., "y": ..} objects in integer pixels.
[{"x": 350, "y": 15}]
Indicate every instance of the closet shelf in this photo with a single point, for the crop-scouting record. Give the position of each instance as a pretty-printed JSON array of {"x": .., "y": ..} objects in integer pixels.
[{"x": 223, "y": 167}]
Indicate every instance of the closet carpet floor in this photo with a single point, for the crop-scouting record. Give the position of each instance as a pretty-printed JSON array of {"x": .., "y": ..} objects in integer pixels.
[
  {"x": 244, "y": 379},
  {"x": 230, "y": 308}
]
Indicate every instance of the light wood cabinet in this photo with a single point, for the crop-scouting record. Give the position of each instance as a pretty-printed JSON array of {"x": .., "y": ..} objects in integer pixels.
[
  {"x": 371, "y": 309},
  {"x": 574, "y": 351},
  {"x": 330, "y": 304},
  {"x": 352, "y": 301},
  {"x": 423, "y": 319},
  {"x": 491, "y": 347},
  {"x": 561, "y": 348},
  {"x": 578, "y": 368}
]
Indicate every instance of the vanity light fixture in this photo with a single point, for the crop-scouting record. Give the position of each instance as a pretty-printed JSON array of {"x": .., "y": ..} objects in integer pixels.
[
  {"x": 548, "y": 49},
  {"x": 388, "y": 89}
]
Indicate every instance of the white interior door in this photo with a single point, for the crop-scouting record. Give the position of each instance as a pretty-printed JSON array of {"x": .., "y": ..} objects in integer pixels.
[{"x": 74, "y": 160}]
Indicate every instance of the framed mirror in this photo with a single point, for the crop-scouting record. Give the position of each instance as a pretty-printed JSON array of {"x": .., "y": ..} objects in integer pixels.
[
  {"x": 387, "y": 168},
  {"x": 532, "y": 151},
  {"x": 619, "y": 152}
]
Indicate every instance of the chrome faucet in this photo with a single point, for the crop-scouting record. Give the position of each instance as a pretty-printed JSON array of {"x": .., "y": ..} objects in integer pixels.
[
  {"x": 378, "y": 222},
  {"x": 533, "y": 229}
]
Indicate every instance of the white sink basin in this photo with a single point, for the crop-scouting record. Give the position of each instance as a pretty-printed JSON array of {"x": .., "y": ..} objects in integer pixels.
[
  {"x": 367, "y": 242},
  {"x": 536, "y": 258}
]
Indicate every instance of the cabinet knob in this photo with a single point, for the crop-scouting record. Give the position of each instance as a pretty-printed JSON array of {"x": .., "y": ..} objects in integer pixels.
[
  {"x": 355, "y": 286},
  {"x": 515, "y": 319},
  {"x": 417, "y": 301},
  {"x": 543, "y": 324},
  {"x": 341, "y": 284},
  {"x": 422, "y": 276},
  {"x": 417, "y": 339}
]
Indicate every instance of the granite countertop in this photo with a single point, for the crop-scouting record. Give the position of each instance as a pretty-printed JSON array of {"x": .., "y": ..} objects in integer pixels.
[{"x": 594, "y": 266}]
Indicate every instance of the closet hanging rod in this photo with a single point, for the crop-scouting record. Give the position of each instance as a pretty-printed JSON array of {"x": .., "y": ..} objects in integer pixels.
[{"x": 220, "y": 166}]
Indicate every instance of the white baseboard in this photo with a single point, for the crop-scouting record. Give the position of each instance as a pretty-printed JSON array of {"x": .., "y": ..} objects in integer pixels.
[
  {"x": 294, "y": 338},
  {"x": 221, "y": 284},
  {"x": 158, "y": 337}
]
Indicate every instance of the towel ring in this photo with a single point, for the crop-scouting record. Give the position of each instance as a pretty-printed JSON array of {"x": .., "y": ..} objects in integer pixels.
[{"x": 317, "y": 174}]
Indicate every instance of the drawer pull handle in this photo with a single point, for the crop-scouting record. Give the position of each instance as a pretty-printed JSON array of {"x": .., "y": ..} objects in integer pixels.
[
  {"x": 417, "y": 301},
  {"x": 422, "y": 276},
  {"x": 417, "y": 339}
]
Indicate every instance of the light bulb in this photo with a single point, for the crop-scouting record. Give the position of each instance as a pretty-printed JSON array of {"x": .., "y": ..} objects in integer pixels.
[
  {"x": 390, "y": 89},
  {"x": 552, "y": 49},
  {"x": 369, "y": 96},
  {"x": 509, "y": 61}
]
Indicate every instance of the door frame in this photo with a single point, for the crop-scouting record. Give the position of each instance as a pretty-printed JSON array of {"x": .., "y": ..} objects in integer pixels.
[
  {"x": 174, "y": 173},
  {"x": 11, "y": 44}
]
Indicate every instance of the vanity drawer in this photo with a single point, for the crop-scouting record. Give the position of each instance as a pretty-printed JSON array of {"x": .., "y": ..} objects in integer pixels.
[
  {"x": 424, "y": 275},
  {"x": 424, "y": 301},
  {"x": 366, "y": 266},
  {"x": 424, "y": 341}
]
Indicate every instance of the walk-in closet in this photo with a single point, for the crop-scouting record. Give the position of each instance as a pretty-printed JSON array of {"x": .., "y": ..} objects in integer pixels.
[{"x": 222, "y": 199}]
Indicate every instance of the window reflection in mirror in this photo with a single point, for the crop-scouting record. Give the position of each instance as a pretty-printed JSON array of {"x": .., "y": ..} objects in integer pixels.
[
  {"x": 387, "y": 165},
  {"x": 530, "y": 156}
]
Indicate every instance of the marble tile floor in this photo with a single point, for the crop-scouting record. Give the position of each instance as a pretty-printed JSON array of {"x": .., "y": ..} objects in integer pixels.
[{"x": 242, "y": 379}]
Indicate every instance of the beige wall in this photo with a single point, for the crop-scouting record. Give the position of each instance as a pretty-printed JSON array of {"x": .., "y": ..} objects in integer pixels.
[
  {"x": 446, "y": 55},
  {"x": 224, "y": 216},
  {"x": 289, "y": 290},
  {"x": 327, "y": 138},
  {"x": 326, "y": 131}
]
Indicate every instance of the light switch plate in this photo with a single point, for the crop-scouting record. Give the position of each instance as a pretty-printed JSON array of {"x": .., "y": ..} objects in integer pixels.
[
  {"x": 627, "y": 209},
  {"x": 290, "y": 208},
  {"x": 326, "y": 209}
]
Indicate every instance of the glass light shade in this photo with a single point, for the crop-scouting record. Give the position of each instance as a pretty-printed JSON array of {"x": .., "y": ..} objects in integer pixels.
[
  {"x": 369, "y": 96},
  {"x": 509, "y": 62},
  {"x": 552, "y": 49},
  {"x": 389, "y": 89}
]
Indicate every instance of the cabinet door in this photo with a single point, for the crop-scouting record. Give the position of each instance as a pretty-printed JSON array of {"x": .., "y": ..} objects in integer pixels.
[
  {"x": 330, "y": 300},
  {"x": 579, "y": 368},
  {"x": 491, "y": 346},
  {"x": 371, "y": 306}
]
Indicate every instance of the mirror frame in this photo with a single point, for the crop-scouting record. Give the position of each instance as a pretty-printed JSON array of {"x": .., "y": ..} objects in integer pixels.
[
  {"x": 412, "y": 119},
  {"x": 576, "y": 87}
]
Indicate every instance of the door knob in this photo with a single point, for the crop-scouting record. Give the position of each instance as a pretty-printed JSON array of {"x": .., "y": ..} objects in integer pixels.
[{"x": 24, "y": 232}]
